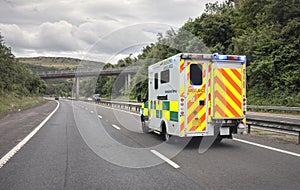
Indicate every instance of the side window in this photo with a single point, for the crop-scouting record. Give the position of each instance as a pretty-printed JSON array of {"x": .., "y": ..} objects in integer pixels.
[
  {"x": 156, "y": 81},
  {"x": 165, "y": 76},
  {"x": 196, "y": 74}
]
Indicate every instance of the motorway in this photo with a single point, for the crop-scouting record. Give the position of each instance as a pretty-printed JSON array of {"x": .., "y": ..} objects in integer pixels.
[{"x": 84, "y": 146}]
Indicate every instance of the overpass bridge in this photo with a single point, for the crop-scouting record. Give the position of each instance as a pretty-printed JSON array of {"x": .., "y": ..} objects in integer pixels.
[{"x": 87, "y": 72}]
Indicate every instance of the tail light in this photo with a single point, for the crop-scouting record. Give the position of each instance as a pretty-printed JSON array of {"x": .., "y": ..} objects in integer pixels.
[{"x": 181, "y": 106}]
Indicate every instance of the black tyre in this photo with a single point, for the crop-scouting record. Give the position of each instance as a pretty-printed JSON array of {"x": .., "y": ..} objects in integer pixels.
[{"x": 165, "y": 136}]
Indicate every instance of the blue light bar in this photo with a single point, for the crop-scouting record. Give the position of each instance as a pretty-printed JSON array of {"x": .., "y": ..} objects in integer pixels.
[
  {"x": 221, "y": 57},
  {"x": 241, "y": 58}
]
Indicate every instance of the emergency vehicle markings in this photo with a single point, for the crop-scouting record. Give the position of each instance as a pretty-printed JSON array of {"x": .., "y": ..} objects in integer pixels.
[
  {"x": 196, "y": 114},
  {"x": 227, "y": 92}
]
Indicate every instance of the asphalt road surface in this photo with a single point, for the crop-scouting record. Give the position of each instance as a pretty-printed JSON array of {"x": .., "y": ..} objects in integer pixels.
[{"x": 84, "y": 146}]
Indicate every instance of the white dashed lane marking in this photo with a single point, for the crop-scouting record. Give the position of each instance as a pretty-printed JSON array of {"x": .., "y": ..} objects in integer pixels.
[
  {"x": 116, "y": 127},
  {"x": 164, "y": 158}
]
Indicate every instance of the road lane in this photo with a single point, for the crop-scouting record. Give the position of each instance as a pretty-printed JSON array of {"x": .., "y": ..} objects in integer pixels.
[
  {"x": 233, "y": 165},
  {"x": 15, "y": 127},
  {"x": 58, "y": 158}
]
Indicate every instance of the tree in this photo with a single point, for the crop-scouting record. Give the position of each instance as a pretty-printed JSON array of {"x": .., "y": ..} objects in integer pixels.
[{"x": 16, "y": 78}]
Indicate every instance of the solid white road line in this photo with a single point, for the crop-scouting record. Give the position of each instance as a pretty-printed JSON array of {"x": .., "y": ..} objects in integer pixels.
[
  {"x": 13, "y": 151},
  {"x": 116, "y": 127},
  {"x": 165, "y": 159},
  {"x": 100, "y": 116},
  {"x": 267, "y": 147}
]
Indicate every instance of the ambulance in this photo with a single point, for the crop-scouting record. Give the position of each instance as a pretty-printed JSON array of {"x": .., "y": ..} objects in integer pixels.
[{"x": 193, "y": 95}]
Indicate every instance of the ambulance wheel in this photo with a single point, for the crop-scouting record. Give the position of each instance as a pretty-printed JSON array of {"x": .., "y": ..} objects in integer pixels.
[{"x": 166, "y": 137}]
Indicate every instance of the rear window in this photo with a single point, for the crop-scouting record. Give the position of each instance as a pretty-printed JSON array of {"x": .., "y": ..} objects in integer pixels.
[
  {"x": 196, "y": 74},
  {"x": 165, "y": 76}
]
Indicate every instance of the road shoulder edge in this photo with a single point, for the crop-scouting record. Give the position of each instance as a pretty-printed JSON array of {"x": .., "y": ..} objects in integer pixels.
[{"x": 15, "y": 149}]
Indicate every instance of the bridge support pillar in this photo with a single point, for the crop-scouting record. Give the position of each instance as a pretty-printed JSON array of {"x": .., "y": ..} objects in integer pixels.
[
  {"x": 127, "y": 82},
  {"x": 77, "y": 80}
]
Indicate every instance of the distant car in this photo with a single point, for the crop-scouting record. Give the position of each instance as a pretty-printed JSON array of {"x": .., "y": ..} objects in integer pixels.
[
  {"x": 89, "y": 99},
  {"x": 56, "y": 98},
  {"x": 97, "y": 98}
]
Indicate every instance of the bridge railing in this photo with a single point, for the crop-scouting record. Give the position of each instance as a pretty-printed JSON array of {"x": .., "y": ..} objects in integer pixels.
[{"x": 88, "y": 70}]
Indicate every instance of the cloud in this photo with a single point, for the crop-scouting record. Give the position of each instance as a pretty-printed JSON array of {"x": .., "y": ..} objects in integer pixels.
[
  {"x": 58, "y": 36},
  {"x": 72, "y": 27}
]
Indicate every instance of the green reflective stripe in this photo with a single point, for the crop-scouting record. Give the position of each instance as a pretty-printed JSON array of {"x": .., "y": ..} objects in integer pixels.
[
  {"x": 145, "y": 104},
  {"x": 166, "y": 105},
  {"x": 162, "y": 109},
  {"x": 174, "y": 116}
]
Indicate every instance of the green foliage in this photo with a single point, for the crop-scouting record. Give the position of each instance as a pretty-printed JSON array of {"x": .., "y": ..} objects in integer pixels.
[
  {"x": 271, "y": 43},
  {"x": 266, "y": 31},
  {"x": 15, "y": 77}
]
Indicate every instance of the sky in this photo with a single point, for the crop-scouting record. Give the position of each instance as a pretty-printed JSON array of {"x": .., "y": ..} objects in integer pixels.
[{"x": 99, "y": 30}]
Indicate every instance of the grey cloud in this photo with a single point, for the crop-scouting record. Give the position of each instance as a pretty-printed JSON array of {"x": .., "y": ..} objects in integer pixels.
[{"x": 71, "y": 27}]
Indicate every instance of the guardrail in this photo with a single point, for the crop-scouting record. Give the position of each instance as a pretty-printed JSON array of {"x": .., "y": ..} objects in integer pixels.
[
  {"x": 279, "y": 125},
  {"x": 274, "y": 108},
  {"x": 123, "y": 105},
  {"x": 251, "y": 120}
]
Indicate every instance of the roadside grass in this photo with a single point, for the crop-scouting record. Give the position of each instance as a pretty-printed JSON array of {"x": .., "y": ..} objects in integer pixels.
[
  {"x": 11, "y": 103},
  {"x": 280, "y": 137}
]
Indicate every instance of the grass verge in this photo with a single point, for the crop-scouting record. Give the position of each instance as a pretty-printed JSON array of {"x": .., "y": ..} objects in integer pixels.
[{"x": 11, "y": 103}]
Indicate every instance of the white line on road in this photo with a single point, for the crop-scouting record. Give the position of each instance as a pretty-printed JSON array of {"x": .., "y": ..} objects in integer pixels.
[
  {"x": 267, "y": 147},
  {"x": 100, "y": 116},
  {"x": 116, "y": 127},
  {"x": 164, "y": 158},
  {"x": 92, "y": 111},
  {"x": 13, "y": 151}
]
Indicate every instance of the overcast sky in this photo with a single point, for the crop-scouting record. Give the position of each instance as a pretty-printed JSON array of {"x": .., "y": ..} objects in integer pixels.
[{"x": 89, "y": 28}]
